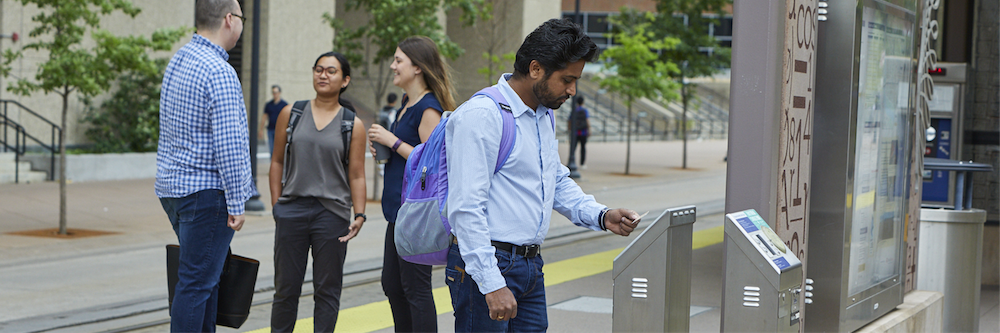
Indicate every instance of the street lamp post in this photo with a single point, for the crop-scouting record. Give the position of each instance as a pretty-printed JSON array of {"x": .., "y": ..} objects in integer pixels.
[{"x": 254, "y": 204}]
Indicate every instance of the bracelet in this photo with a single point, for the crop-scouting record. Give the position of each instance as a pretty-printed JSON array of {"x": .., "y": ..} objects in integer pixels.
[
  {"x": 396, "y": 145},
  {"x": 600, "y": 219}
]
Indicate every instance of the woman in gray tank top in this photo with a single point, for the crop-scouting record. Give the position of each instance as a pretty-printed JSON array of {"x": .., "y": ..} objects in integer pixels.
[{"x": 316, "y": 179}]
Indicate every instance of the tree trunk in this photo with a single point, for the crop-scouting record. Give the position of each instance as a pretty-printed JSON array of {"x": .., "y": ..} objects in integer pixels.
[
  {"x": 628, "y": 137},
  {"x": 62, "y": 165}
]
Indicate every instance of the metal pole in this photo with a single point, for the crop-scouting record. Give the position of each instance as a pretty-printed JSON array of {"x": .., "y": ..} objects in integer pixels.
[
  {"x": 576, "y": 14},
  {"x": 684, "y": 137},
  {"x": 254, "y": 203}
]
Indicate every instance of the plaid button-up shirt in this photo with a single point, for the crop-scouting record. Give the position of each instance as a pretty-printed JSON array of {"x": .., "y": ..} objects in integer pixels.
[{"x": 204, "y": 142}]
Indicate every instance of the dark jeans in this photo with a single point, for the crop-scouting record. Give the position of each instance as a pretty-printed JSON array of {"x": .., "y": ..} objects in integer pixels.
[
  {"x": 408, "y": 287},
  {"x": 524, "y": 279},
  {"x": 300, "y": 224},
  {"x": 582, "y": 141},
  {"x": 270, "y": 141},
  {"x": 200, "y": 222}
]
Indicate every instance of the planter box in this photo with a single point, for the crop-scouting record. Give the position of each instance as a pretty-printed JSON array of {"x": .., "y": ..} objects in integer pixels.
[{"x": 98, "y": 167}]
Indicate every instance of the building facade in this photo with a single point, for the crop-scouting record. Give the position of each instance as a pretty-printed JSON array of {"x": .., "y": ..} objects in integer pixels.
[{"x": 293, "y": 34}]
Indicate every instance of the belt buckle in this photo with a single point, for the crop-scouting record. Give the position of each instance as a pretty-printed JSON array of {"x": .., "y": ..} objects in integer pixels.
[{"x": 531, "y": 251}]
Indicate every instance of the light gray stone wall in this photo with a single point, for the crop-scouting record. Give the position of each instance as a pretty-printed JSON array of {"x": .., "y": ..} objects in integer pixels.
[
  {"x": 293, "y": 34},
  {"x": 14, "y": 17}
]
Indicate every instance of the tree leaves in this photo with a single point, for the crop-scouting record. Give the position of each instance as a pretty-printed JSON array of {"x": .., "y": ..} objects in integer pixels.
[
  {"x": 370, "y": 47},
  {"x": 635, "y": 70},
  {"x": 70, "y": 66}
]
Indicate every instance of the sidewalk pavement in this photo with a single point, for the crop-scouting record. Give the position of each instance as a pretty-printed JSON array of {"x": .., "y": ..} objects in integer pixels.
[{"x": 48, "y": 282}]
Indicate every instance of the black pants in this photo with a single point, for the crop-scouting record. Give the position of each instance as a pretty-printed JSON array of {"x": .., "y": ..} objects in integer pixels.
[
  {"x": 582, "y": 141},
  {"x": 301, "y": 224},
  {"x": 408, "y": 287}
]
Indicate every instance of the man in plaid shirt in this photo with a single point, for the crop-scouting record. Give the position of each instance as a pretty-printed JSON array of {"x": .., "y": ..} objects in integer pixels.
[{"x": 203, "y": 173}]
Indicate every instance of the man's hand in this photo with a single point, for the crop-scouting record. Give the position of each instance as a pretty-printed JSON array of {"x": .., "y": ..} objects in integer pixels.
[
  {"x": 353, "y": 229},
  {"x": 502, "y": 304},
  {"x": 621, "y": 221},
  {"x": 236, "y": 222}
]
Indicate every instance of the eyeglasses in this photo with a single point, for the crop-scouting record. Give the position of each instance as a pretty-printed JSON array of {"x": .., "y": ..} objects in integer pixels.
[
  {"x": 318, "y": 70},
  {"x": 243, "y": 19}
]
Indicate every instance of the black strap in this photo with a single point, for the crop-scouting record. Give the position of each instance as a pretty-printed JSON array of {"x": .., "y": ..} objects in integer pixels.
[
  {"x": 346, "y": 126},
  {"x": 293, "y": 120}
]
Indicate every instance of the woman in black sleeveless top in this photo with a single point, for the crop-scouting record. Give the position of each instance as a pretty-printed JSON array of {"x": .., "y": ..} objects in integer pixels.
[{"x": 423, "y": 74}]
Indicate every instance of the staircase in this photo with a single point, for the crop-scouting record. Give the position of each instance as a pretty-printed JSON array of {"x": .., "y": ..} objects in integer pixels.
[
  {"x": 14, "y": 171},
  {"x": 651, "y": 120},
  {"x": 15, "y": 119}
]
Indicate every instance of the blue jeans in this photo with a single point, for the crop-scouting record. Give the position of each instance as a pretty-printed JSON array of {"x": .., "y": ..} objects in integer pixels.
[
  {"x": 200, "y": 222},
  {"x": 270, "y": 141},
  {"x": 524, "y": 279}
]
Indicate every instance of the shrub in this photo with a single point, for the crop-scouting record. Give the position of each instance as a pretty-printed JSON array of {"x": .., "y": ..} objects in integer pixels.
[{"x": 129, "y": 120}]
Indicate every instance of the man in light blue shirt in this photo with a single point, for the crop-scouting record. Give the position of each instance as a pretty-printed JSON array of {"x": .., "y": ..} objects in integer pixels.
[
  {"x": 203, "y": 173},
  {"x": 499, "y": 220}
]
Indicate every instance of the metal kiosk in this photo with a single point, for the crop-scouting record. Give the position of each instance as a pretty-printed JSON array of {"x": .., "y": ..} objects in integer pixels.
[
  {"x": 652, "y": 276},
  {"x": 763, "y": 278}
]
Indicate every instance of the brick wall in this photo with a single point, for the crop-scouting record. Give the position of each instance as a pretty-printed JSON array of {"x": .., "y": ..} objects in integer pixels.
[{"x": 982, "y": 116}]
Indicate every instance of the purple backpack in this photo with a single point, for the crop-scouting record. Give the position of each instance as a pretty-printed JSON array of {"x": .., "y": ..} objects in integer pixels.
[{"x": 422, "y": 232}]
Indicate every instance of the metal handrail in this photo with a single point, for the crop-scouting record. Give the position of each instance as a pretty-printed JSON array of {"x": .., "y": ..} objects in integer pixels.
[{"x": 21, "y": 137}]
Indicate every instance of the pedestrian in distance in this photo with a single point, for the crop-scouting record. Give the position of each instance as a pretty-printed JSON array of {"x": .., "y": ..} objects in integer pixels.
[
  {"x": 203, "y": 173},
  {"x": 579, "y": 125},
  {"x": 317, "y": 176},
  {"x": 272, "y": 109},
  {"x": 421, "y": 71},
  {"x": 499, "y": 220},
  {"x": 388, "y": 114}
]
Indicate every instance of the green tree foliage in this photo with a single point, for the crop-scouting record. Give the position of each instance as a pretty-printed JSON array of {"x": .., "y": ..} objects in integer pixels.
[
  {"x": 370, "y": 47},
  {"x": 71, "y": 67},
  {"x": 697, "y": 51},
  {"x": 128, "y": 121},
  {"x": 634, "y": 70},
  {"x": 689, "y": 21},
  {"x": 495, "y": 65},
  {"x": 493, "y": 31}
]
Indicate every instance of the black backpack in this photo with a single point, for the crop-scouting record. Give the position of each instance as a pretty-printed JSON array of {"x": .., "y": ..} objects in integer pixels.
[
  {"x": 579, "y": 117},
  {"x": 346, "y": 125}
]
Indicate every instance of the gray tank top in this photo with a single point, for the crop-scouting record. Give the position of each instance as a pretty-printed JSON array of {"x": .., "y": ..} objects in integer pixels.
[{"x": 316, "y": 165}]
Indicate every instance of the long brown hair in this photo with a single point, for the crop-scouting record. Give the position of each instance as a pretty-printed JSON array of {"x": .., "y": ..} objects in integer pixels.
[{"x": 436, "y": 72}]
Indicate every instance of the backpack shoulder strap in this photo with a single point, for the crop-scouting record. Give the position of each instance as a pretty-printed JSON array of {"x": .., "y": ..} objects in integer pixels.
[
  {"x": 346, "y": 126},
  {"x": 509, "y": 133},
  {"x": 293, "y": 120}
]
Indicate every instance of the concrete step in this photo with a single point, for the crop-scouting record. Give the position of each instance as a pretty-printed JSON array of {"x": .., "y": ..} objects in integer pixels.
[
  {"x": 9, "y": 167},
  {"x": 24, "y": 177},
  {"x": 7, "y": 157}
]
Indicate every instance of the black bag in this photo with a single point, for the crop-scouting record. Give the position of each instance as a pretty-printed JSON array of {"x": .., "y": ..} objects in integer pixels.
[
  {"x": 579, "y": 117},
  {"x": 236, "y": 286}
]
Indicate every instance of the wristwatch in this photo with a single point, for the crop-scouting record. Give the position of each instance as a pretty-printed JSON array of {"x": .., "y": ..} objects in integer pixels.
[{"x": 361, "y": 215}]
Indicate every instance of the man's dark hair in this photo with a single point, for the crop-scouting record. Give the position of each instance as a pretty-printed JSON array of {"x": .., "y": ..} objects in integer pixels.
[
  {"x": 208, "y": 14},
  {"x": 391, "y": 98},
  {"x": 579, "y": 100},
  {"x": 554, "y": 44},
  {"x": 276, "y": 87}
]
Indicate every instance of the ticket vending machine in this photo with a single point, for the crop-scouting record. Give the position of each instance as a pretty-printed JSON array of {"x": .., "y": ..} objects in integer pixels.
[
  {"x": 652, "y": 276},
  {"x": 944, "y": 138},
  {"x": 763, "y": 278}
]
